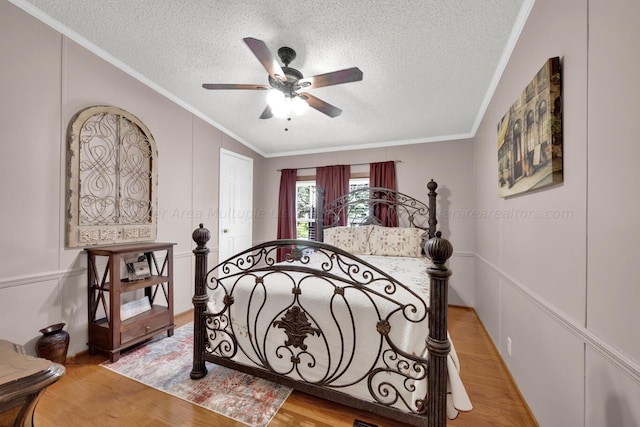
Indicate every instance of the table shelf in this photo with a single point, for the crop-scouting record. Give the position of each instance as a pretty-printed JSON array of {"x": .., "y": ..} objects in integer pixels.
[{"x": 107, "y": 331}]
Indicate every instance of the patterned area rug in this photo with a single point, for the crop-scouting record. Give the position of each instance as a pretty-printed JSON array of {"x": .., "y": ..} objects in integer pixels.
[{"x": 165, "y": 363}]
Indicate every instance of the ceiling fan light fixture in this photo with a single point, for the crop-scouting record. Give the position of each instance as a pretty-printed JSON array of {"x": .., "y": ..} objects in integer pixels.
[
  {"x": 275, "y": 99},
  {"x": 281, "y": 111},
  {"x": 299, "y": 106},
  {"x": 283, "y": 97},
  {"x": 283, "y": 105}
]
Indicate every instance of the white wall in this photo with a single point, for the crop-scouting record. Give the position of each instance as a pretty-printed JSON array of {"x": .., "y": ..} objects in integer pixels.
[
  {"x": 45, "y": 79},
  {"x": 564, "y": 289}
]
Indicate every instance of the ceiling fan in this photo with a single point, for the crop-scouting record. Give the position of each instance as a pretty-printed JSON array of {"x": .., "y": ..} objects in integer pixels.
[{"x": 286, "y": 82}]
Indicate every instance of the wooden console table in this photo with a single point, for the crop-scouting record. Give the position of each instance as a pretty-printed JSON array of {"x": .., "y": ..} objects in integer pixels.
[
  {"x": 108, "y": 332},
  {"x": 23, "y": 379}
]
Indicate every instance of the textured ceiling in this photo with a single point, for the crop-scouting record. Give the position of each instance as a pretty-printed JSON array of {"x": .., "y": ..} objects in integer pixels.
[{"x": 429, "y": 65}]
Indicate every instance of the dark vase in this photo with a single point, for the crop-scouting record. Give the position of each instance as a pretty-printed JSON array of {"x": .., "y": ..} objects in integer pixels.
[{"x": 53, "y": 344}]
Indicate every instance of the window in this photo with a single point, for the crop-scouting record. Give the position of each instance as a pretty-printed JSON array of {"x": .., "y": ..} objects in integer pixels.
[
  {"x": 360, "y": 211},
  {"x": 305, "y": 209},
  {"x": 530, "y": 131},
  {"x": 544, "y": 128},
  {"x": 306, "y": 206}
]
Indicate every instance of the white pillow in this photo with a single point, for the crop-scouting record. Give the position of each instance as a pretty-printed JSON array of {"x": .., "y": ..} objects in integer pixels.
[
  {"x": 354, "y": 240},
  {"x": 396, "y": 241}
]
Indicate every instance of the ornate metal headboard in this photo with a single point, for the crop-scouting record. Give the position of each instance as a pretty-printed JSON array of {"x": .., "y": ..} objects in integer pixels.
[{"x": 365, "y": 206}]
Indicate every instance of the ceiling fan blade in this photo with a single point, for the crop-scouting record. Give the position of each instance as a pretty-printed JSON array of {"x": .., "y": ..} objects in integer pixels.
[
  {"x": 334, "y": 78},
  {"x": 234, "y": 86},
  {"x": 266, "y": 114},
  {"x": 261, "y": 51},
  {"x": 320, "y": 105}
]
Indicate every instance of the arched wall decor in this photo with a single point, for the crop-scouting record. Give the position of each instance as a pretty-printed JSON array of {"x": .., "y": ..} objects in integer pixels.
[{"x": 112, "y": 179}]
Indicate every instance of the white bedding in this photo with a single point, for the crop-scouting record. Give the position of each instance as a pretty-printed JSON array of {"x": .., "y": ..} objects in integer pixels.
[{"x": 326, "y": 356}]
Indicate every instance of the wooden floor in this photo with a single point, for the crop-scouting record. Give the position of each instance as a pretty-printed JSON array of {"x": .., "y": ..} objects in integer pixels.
[{"x": 89, "y": 395}]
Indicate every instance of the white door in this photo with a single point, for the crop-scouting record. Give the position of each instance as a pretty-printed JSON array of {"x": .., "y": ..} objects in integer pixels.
[{"x": 236, "y": 204}]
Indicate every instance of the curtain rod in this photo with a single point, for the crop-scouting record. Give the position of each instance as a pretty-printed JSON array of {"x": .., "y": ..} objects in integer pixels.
[{"x": 353, "y": 164}]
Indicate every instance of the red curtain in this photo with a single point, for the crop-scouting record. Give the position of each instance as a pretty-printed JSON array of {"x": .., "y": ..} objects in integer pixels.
[
  {"x": 383, "y": 174},
  {"x": 335, "y": 181},
  {"x": 287, "y": 208}
]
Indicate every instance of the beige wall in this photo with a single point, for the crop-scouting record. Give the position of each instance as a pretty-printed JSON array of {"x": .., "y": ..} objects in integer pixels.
[
  {"x": 448, "y": 163},
  {"x": 564, "y": 289},
  {"x": 51, "y": 78},
  {"x": 45, "y": 79},
  {"x": 613, "y": 206}
]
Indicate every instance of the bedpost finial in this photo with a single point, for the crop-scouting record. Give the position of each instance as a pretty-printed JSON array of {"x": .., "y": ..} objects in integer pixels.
[
  {"x": 439, "y": 249},
  {"x": 201, "y": 235},
  {"x": 432, "y": 185}
]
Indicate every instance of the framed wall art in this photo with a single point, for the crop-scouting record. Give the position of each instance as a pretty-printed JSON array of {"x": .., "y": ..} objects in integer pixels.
[
  {"x": 112, "y": 176},
  {"x": 530, "y": 135}
]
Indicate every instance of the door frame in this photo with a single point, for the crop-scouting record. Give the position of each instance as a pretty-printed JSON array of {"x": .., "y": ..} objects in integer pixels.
[{"x": 249, "y": 160}]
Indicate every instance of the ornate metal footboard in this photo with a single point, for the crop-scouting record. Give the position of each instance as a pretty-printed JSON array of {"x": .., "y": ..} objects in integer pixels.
[{"x": 327, "y": 323}]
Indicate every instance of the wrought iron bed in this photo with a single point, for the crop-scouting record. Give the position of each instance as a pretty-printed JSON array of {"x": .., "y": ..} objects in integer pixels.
[{"x": 331, "y": 323}]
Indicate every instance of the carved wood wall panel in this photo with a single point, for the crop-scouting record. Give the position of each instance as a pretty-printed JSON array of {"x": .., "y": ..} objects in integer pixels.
[{"x": 112, "y": 177}]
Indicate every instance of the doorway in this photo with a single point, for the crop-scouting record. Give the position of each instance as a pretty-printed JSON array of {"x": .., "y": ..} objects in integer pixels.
[{"x": 235, "y": 204}]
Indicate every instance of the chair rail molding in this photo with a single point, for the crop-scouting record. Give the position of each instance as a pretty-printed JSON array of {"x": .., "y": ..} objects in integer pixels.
[
  {"x": 617, "y": 358},
  {"x": 29, "y": 279}
]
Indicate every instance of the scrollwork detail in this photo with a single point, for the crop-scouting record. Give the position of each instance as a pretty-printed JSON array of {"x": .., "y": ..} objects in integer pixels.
[
  {"x": 111, "y": 178},
  {"x": 297, "y": 327}
]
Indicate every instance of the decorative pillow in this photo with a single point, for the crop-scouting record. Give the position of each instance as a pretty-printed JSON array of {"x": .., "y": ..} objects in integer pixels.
[
  {"x": 396, "y": 241},
  {"x": 354, "y": 240}
]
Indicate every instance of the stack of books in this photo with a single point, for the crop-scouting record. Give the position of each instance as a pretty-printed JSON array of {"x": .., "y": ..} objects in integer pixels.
[{"x": 134, "y": 308}]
